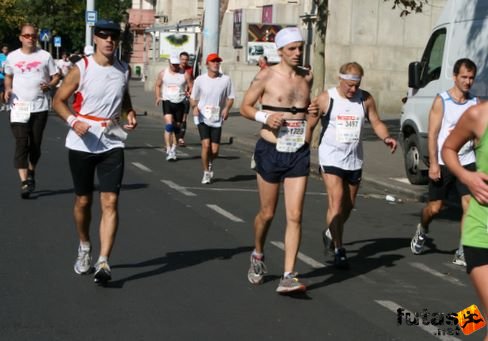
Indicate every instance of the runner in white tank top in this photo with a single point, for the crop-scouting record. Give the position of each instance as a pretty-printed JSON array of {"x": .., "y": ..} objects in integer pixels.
[
  {"x": 171, "y": 87},
  {"x": 446, "y": 111},
  {"x": 344, "y": 109},
  {"x": 95, "y": 141}
]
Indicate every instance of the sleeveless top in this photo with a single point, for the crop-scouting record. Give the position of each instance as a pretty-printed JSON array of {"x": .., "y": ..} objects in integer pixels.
[
  {"x": 98, "y": 102},
  {"x": 174, "y": 85},
  {"x": 452, "y": 112},
  {"x": 342, "y": 126},
  {"x": 475, "y": 228}
]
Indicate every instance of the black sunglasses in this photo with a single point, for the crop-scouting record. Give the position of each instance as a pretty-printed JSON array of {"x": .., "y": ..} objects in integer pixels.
[{"x": 105, "y": 34}]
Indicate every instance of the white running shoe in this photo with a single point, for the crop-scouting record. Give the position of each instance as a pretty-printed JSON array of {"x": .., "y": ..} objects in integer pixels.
[
  {"x": 210, "y": 170},
  {"x": 206, "y": 178},
  {"x": 83, "y": 261},
  {"x": 418, "y": 241}
]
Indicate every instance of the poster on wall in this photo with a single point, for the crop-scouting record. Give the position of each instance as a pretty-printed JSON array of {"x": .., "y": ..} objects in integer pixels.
[
  {"x": 260, "y": 39},
  {"x": 237, "y": 29},
  {"x": 173, "y": 43}
]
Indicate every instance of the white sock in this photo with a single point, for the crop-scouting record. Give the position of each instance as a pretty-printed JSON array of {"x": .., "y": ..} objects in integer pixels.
[
  {"x": 102, "y": 259},
  {"x": 85, "y": 246},
  {"x": 285, "y": 274},
  {"x": 257, "y": 254},
  {"x": 173, "y": 147}
]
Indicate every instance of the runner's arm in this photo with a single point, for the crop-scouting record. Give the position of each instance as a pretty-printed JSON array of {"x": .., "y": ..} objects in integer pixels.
[
  {"x": 464, "y": 131},
  {"x": 157, "y": 88},
  {"x": 435, "y": 121},
  {"x": 380, "y": 129},
  {"x": 127, "y": 108},
  {"x": 8, "y": 87}
]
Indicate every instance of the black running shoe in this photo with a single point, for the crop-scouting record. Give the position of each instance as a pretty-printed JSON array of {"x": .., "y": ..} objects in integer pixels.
[
  {"x": 340, "y": 259},
  {"x": 25, "y": 190},
  {"x": 31, "y": 180},
  {"x": 102, "y": 273}
]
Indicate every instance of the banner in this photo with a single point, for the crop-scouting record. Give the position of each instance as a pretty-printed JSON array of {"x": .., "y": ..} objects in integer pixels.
[{"x": 173, "y": 43}]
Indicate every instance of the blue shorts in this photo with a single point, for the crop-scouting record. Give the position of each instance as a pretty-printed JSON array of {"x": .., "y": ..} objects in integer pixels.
[{"x": 275, "y": 166}]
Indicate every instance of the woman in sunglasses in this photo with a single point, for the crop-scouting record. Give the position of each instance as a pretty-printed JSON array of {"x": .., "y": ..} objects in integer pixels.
[
  {"x": 96, "y": 140},
  {"x": 30, "y": 73}
]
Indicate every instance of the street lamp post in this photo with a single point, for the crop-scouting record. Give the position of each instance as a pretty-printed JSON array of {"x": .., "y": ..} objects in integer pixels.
[{"x": 90, "y": 6}]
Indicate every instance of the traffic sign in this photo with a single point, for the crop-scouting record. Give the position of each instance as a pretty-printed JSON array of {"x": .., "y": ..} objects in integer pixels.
[
  {"x": 91, "y": 17},
  {"x": 57, "y": 41},
  {"x": 45, "y": 35}
]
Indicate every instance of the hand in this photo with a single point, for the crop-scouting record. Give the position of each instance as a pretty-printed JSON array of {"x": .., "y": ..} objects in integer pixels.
[
  {"x": 434, "y": 171},
  {"x": 7, "y": 95},
  {"x": 477, "y": 184},
  {"x": 275, "y": 120},
  {"x": 131, "y": 121},
  {"x": 80, "y": 127},
  {"x": 313, "y": 108},
  {"x": 44, "y": 87},
  {"x": 225, "y": 114},
  {"x": 391, "y": 142},
  {"x": 158, "y": 101}
]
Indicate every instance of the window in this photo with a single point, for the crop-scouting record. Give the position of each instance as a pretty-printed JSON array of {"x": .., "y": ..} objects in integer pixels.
[{"x": 432, "y": 58}]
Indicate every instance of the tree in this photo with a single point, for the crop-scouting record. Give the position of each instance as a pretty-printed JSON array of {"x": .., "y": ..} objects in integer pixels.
[
  {"x": 65, "y": 18},
  {"x": 409, "y": 6}
]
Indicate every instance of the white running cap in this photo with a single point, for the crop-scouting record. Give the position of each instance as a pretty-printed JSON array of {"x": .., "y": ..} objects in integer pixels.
[
  {"x": 174, "y": 59},
  {"x": 287, "y": 35}
]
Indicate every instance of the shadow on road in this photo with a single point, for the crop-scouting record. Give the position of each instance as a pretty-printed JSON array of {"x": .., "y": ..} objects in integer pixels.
[
  {"x": 362, "y": 260},
  {"x": 174, "y": 261}
]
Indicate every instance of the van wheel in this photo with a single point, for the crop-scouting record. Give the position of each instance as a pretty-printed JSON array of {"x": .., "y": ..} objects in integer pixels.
[{"x": 412, "y": 161}]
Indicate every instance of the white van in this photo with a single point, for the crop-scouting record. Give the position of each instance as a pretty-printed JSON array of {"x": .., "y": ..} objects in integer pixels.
[{"x": 460, "y": 32}]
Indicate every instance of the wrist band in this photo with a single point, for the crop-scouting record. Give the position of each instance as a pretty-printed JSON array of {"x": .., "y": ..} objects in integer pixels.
[
  {"x": 71, "y": 120},
  {"x": 196, "y": 120},
  {"x": 384, "y": 140},
  {"x": 261, "y": 116}
]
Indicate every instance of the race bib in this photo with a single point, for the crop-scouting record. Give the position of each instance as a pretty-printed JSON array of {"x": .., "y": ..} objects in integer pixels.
[
  {"x": 291, "y": 136},
  {"x": 20, "y": 112},
  {"x": 348, "y": 128},
  {"x": 173, "y": 89},
  {"x": 114, "y": 130},
  {"x": 212, "y": 113}
]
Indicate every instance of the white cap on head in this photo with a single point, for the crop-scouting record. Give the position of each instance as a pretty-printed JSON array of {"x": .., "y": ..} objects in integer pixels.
[
  {"x": 88, "y": 50},
  {"x": 174, "y": 59},
  {"x": 287, "y": 35}
]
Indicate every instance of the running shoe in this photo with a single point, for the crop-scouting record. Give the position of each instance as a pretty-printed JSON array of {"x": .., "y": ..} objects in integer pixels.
[
  {"x": 171, "y": 155},
  {"x": 327, "y": 239},
  {"x": 418, "y": 241},
  {"x": 83, "y": 261},
  {"x": 210, "y": 170},
  {"x": 290, "y": 283},
  {"x": 25, "y": 190},
  {"x": 31, "y": 181},
  {"x": 103, "y": 273},
  {"x": 459, "y": 258},
  {"x": 207, "y": 178},
  {"x": 340, "y": 259},
  {"x": 257, "y": 270}
]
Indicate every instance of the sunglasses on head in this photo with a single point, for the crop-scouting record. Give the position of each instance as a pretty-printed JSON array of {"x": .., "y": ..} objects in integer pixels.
[
  {"x": 105, "y": 34},
  {"x": 29, "y": 35}
]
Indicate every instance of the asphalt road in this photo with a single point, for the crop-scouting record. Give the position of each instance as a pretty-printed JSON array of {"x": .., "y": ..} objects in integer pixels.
[{"x": 180, "y": 261}]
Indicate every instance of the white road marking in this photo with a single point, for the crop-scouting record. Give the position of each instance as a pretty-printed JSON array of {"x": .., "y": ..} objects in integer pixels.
[
  {"x": 436, "y": 273},
  {"x": 207, "y": 188},
  {"x": 141, "y": 167},
  {"x": 304, "y": 258},
  {"x": 402, "y": 180},
  {"x": 225, "y": 213},
  {"x": 178, "y": 188},
  {"x": 432, "y": 330}
]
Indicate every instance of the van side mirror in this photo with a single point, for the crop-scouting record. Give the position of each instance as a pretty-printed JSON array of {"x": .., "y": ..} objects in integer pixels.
[{"x": 414, "y": 70}]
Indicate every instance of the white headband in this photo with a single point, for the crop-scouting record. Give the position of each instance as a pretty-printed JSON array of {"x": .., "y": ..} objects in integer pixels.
[
  {"x": 287, "y": 35},
  {"x": 349, "y": 77}
]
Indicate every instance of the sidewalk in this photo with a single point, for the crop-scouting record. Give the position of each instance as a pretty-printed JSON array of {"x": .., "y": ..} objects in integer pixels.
[{"x": 383, "y": 170}]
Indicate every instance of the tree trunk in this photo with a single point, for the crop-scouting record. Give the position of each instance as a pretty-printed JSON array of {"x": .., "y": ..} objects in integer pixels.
[{"x": 318, "y": 68}]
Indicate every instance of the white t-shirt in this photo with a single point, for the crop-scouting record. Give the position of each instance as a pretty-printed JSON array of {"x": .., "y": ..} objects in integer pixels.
[
  {"x": 64, "y": 66},
  {"x": 99, "y": 96},
  {"x": 29, "y": 71},
  {"x": 212, "y": 95}
]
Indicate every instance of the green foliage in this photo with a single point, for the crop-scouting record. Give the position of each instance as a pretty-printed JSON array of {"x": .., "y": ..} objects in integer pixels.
[
  {"x": 65, "y": 18},
  {"x": 409, "y": 6}
]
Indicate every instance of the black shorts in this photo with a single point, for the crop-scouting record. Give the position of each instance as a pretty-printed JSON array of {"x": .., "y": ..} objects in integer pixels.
[
  {"x": 275, "y": 166},
  {"x": 186, "y": 103},
  {"x": 439, "y": 190},
  {"x": 475, "y": 256},
  {"x": 2, "y": 87},
  {"x": 212, "y": 133},
  {"x": 352, "y": 177},
  {"x": 175, "y": 109},
  {"x": 108, "y": 165}
]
